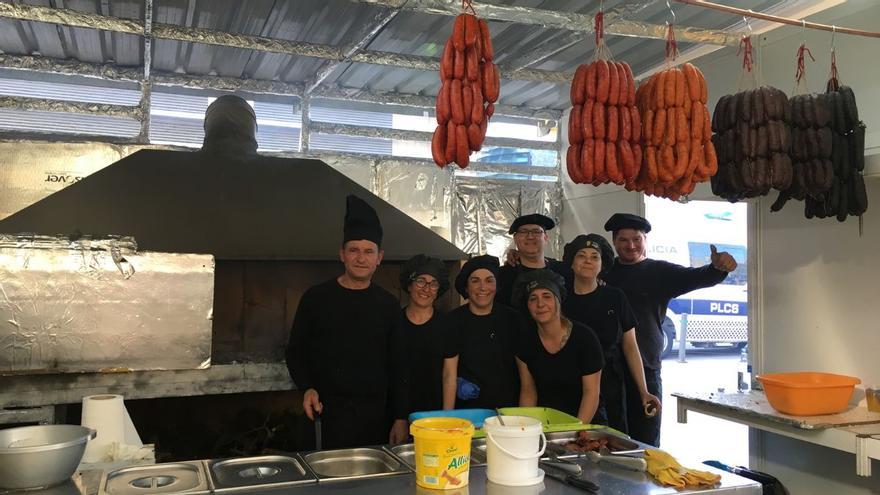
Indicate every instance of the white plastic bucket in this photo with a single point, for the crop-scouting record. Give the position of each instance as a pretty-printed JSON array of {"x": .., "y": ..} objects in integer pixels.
[{"x": 513, "y": 450}]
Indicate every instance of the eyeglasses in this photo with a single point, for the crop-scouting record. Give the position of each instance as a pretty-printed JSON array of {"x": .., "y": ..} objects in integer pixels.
[
  {"x": 421, "y": 283},
  {"x": 530, "y": 232}
]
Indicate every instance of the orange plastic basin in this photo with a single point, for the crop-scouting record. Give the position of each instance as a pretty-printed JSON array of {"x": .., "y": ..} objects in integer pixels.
[{"x": 806, "y": 393}]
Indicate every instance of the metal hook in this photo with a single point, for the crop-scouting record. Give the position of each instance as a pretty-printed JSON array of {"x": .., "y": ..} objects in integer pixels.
[
  {"x": 804, "y": 30},
  {"x": 748, "y": 24},
  {"x": 668, "y": 6},
  {"x": 833, "y": 32}
]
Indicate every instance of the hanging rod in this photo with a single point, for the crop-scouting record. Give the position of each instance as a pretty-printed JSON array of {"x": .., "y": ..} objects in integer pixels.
[{"x": 781, "y": 20}]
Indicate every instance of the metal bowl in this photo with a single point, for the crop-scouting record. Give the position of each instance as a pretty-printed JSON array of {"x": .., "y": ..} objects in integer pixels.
[{"x": 41, "y": 456}]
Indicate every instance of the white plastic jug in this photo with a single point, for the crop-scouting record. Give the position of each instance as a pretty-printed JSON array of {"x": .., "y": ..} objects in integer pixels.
[{"x": 513, "y": 450}]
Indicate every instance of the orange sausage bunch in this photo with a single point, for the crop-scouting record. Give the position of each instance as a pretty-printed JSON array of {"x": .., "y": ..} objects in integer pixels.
[
  {"x": 470, "y": 87},
  {"x": 676, "y": 130},
  {"x": 604, "y": 127}
]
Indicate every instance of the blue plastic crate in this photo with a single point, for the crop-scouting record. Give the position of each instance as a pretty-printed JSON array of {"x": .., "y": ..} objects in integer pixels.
[{"x": 475, "y": 416}]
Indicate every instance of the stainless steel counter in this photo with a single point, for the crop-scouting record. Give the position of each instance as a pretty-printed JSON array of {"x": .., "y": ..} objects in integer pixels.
[{"x": 611, "y": 481}]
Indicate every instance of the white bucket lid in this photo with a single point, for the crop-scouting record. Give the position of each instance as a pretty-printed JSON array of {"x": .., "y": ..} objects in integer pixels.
[{"x": 514, "y": 426}]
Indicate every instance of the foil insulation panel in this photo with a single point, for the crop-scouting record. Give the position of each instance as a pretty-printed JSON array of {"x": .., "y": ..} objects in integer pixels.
[
  {"x": 423, "y": 192},
  {"x": 483, "y": 211},
  {"x": 100, "y": 305},
  {"x": 32, "y": 170}
]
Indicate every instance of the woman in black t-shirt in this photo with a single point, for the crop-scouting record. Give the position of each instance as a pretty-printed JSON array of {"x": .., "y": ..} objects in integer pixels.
[
  {"x": 432, "y": 358},
  {"x": 487, "y": 337},
  {"x": 559, "y": 361},
  {"x": 606, "y": 310}
]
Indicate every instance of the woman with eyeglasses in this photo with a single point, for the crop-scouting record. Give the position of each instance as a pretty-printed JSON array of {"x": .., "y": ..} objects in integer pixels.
[{"x": 432, "y": 358}]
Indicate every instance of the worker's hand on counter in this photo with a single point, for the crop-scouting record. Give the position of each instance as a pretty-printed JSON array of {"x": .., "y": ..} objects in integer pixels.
[
  {"x": 651, "y": 403},
  {"x": 722, "y": 261},
  {"x": 399, "y": 432},
  {"x": 311, "y": 403}
]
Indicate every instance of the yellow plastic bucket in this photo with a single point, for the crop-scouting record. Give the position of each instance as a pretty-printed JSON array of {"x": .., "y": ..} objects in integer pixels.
[{"x": 442, "y": 452}]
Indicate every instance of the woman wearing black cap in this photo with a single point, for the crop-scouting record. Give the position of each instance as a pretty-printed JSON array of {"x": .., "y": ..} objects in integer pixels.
[
  {"x": 432, "y": 358},
  {"x": 560, "y": 364},
  {"x": 607, "y": 312},
  {"x": 488, "y": 334}
]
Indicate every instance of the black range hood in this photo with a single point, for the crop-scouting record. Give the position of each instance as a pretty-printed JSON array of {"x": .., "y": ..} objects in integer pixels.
[{"x": 234, "y": 207}]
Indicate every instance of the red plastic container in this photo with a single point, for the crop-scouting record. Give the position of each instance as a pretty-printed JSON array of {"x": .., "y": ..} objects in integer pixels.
[{"x": 807, "y": 393}]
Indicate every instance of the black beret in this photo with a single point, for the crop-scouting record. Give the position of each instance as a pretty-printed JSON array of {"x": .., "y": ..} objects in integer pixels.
[
  {"x": 486, "y": 261},
  {"x": 424, "y": 265},
  {"x": 361, "y": 222},
  {"x": 627, "y": 221},
  {"x": 542, "y": 278},
  {"x": 594, "y": 241},
  {"x": 546, "y": 223}
]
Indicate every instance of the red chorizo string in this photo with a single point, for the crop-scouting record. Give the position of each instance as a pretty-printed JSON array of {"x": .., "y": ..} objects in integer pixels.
[
  {"x": 834, "y": 77},
  {"x": 801, "y": 63},
  {"x": 599, "y": 27},
  {"x": 745, "y": 48},
  {"x": 671, "y": 44},
  {"x": 467, "y": 6}
]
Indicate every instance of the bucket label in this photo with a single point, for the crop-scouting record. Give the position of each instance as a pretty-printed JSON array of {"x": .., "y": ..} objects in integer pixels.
[{"x": 457, "y": 462}]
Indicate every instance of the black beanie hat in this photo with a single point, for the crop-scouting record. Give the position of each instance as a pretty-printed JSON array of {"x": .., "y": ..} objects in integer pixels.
[
  {"x": 594, "y": 241},
  {"x": 542, "y": 278},
  {"x": 424, "y": 265},
  {"x": 486, "y": 261}
]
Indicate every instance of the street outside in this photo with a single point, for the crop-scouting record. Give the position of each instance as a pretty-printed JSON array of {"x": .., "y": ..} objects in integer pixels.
[{"x": 702, "y": 437}]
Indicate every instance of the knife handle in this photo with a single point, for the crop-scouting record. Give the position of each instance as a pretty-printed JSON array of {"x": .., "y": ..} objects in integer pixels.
[{"x": 581, "y": 483}]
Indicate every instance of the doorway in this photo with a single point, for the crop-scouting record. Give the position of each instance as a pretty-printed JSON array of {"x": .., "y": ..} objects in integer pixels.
[{"x": 711, "y": 323}]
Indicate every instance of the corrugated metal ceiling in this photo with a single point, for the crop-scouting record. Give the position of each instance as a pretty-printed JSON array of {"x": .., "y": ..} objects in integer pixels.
[{"x": 342, "y": 22}]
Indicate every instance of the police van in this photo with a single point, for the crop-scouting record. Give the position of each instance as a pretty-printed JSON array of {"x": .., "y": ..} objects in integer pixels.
[{"x": 682, "y": 234}]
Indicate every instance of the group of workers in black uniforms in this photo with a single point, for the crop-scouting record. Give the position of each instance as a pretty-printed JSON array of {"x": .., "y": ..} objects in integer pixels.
[{"x": 582, "y": 335}]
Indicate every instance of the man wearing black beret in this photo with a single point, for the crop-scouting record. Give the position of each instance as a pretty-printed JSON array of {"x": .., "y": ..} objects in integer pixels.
[
  {"x": 345, "y": 353},
  {"x": 530, "y": 235},
  {"x": 488, "y": 335},
  {"x": 650, "y": 285}
]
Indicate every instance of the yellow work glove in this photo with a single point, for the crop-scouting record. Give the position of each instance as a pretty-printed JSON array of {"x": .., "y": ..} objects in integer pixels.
[{"x": 666, "y": 470}]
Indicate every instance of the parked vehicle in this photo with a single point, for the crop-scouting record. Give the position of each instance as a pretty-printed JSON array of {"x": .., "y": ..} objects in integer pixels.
[{"x": 715, "y": 316}]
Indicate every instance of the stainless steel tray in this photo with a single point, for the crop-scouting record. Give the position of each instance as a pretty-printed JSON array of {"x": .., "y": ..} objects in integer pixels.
[
  {"x": 245, "y": 473},
  {"x": 168, "y": 478},
  {"x": 616, "y": 443},
  {"x": 365, "y": 462}
]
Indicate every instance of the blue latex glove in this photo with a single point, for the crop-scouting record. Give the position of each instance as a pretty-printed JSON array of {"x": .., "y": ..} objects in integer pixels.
[{"x": 467, "y": 390}]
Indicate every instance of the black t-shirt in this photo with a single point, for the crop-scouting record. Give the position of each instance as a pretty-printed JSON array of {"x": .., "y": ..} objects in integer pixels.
[
  {"x": 343, "y": 343},
  {"x": 650, "y": 285},
  {"x": 558, "y": 377},
  {"x": 607, "y": 312},
  {"x": 487, "y": 347},
  {"x": 508, "y": 275},
  {"x": 427, "y": 345}
]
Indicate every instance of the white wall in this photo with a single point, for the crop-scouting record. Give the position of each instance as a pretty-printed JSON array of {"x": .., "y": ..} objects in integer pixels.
[{"x": 820, "y": 278}]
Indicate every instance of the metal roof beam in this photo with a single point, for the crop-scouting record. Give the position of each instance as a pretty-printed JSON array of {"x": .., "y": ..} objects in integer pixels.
[
  {"x": 115, "y": 73},
  {"x": 68, "y": 17},
  {"x": 85, "y": 108},
  {"x": 615, "y": 24},
  {"x": 366, "y": 35}
]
